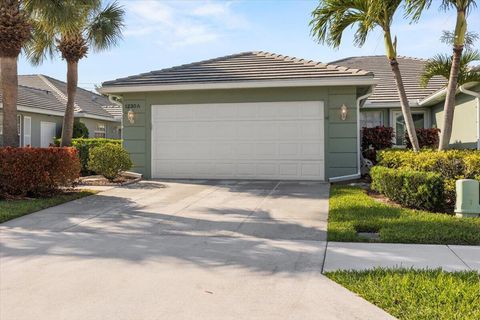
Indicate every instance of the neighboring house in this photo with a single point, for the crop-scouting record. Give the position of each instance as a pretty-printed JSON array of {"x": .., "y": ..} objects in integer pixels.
[
  {"x": 252, "y": 115},
  {"x": 382, "y": 108},
  {"x": 41, "y": 106}
]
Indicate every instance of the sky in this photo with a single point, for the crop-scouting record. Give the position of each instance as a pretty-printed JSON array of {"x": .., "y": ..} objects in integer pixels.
[{"x": 160, "y": 34}]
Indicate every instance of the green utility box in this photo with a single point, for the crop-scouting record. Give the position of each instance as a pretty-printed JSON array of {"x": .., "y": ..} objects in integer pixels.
[{"x": 468, "y": 198}]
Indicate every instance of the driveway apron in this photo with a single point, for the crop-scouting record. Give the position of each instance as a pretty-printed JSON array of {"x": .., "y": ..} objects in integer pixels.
[{"x": 177, "y": 250}]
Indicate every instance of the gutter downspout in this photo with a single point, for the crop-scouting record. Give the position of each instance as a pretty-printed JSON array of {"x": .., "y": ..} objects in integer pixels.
[
  {"x": 477, "y": 96},
  {"x": 359, "y": 146}
]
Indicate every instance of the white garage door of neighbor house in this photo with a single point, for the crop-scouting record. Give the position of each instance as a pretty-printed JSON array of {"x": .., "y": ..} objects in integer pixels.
[
  {"x": 268, "y": 140},
  {"x": 47, "y": 133}
]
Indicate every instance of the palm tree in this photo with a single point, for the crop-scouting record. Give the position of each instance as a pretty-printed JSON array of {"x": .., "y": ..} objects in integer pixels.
[
  {"x": 71, "y": 29},
  {"x": 441, "y": 65},
  {"x": 15, "y": 30},
  {"x": 332, "y": 17},
  {"x": 463, "y": 7}
]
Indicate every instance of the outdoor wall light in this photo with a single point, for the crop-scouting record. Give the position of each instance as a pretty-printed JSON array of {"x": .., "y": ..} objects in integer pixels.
[
  {"x": 131, "y": 116},
  {"x": 343, "y": 112}
]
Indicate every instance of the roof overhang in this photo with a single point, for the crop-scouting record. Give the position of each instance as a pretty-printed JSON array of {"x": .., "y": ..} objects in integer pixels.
[
  {"x": 388, "y": 104},
  {"x": 439, "y": 96},
  {"x": 331, "y": 81},
  {"x": 61, "y": 114},
  {"x": 93, "y": 116}
]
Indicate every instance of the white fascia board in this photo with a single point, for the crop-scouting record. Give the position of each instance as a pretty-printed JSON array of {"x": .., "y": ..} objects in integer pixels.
[
  {"x": 439, "y": 95},
  {"x": 344, "y": 81},
  {"x": 393, "y": 104}
]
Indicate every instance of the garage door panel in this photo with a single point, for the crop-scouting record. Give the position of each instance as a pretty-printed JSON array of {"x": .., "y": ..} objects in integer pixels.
[{"x": 283, "y": 140}]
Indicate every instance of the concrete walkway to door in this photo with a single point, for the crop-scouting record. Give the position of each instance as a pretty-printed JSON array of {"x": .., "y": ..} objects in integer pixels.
[{"x": 177, "y": 250}]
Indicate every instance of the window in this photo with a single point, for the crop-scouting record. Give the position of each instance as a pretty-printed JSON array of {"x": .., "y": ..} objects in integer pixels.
[
  {"x": 419, "y": 120},
  {"x": 100, "y": 130},
  {"x": 371, "y": 119}
]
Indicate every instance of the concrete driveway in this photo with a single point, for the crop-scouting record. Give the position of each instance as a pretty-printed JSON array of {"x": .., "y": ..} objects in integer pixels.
[{"x": 177, "y": 250}]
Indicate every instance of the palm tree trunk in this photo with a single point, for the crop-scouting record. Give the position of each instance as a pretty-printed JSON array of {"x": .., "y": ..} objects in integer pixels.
[
  {"x": 9, "y": 84},
  {"x": 407, "y": 114},
  {"x": 449, "y": 107},
  {"x": 72, "y": 80}
]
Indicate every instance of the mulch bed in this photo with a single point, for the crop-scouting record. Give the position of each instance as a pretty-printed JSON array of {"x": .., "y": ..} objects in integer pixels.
[{"x": 98, "y": 180}]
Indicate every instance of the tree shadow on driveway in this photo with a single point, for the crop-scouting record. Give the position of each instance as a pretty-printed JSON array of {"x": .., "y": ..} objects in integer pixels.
[{"x": 119, "y": 228}]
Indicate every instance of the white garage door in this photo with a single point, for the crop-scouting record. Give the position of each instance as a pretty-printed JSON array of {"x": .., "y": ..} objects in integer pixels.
[{"x": 268, "y": 140}]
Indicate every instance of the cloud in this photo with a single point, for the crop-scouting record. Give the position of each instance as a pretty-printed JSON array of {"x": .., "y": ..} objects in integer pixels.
[{"x": 182, "y": 23}]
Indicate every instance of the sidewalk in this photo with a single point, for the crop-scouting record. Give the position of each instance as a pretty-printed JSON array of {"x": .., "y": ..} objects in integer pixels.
[{"x": 360, "y": 256}]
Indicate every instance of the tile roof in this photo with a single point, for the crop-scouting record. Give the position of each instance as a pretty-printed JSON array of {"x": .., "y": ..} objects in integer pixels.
[
  {"x": 246, "y": 66},
  {"x": 85, "y": 101},
  {"x": 37, "y": 98},
  {"x": 386, "y": 90}
]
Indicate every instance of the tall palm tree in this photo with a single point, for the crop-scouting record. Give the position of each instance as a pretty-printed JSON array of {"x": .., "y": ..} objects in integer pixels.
[
  {"x": 15, "y": 30},
  {"x": 441, "y": 65},
  {"x": 332, "y": 17},
  {"x": 463, "y": 7},
  {"x": 71, "y": 29}
]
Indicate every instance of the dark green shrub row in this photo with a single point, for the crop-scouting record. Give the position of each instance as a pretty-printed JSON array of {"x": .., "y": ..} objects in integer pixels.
[
  {"x": 413, "y": 189},
  {"x": 84, "y": 145},
  {"x": 450, "y": 164}
]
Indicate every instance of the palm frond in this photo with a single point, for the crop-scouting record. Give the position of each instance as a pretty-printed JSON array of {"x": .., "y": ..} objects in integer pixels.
[
  {"x": 42, "y": 43},
  {"x": 441, "y": 64},
  {"x": 105, "y": 29},
  {"x": 471, "y": 37},
  {"x": 332, "y": 17}
]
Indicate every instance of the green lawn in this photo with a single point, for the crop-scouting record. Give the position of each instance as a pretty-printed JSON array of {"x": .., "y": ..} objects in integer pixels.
[
  {"x": 352, "y": 211},
  {"x": 11, "y": 209},
  {"x": 424, "y": 294}
]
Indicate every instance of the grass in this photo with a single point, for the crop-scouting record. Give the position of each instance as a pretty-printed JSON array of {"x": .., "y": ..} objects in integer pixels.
[
  {"x": 421, "y": 294},
  {"x": 352, "y": 210},
  {"x": 11, "y": 209}
]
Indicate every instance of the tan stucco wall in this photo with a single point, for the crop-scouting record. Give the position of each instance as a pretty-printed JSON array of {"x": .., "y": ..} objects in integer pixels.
[{"x": 464, "y": 134}]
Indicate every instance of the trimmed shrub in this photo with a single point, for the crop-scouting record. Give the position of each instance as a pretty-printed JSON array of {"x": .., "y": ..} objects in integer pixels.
[
  {"x": 427, "y": 138},
  {"x": 109, "y": 160},
  {"x": 413, "y": 189},
  {"x": 37, "y": 171},
  {"x": 84, "y": 145},
  {"x": 450, "y": 164},
  {"x": 375, "y": 139},
  {"x": 80, "y": 130}
]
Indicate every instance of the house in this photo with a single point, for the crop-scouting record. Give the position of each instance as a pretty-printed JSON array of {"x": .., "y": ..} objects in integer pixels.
[
  {"x": 41, "y": 106},
  {"x": 253, "y": 115},
  {"x": 382, "y": 108}
]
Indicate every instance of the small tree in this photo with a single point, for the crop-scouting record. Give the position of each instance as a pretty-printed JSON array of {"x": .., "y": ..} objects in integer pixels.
[
  {"x": 462, "y": 7},
  {"x": 71, "y": 29},
  {"x": 15, "y": 30},
  {"x": 332, "y": 17}
]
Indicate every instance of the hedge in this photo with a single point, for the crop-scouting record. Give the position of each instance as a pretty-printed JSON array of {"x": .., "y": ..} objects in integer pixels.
[
  {"x": 412, "y": 189},
  {"x": 450, "y": 164},
  {"x": 83, "y": 146},
  {"x": 37, "y": 171}
]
